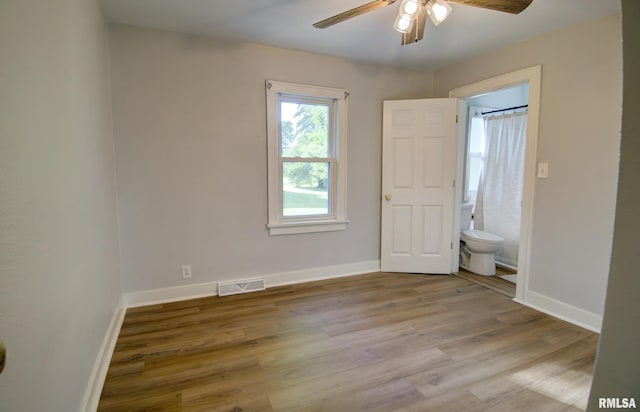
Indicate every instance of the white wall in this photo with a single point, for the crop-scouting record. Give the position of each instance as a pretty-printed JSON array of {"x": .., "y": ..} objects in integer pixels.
[
  {"x": 617, "y": 365},
  {"x": 579, "y": 137},
  {"x": 59, "y": 271},
  {"x": 190, "y": 128}
]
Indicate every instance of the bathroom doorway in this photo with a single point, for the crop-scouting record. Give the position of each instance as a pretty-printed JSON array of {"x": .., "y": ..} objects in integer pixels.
[
  {"x": 521, "y": 88},
  {"x": 494, "y": 168}
]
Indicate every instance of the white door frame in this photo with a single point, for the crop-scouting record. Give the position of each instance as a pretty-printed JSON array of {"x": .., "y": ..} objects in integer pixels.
[{"x": 532, "y": 75}]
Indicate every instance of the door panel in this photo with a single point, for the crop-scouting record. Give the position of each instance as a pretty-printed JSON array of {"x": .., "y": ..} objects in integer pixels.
[
  {"x": 418, "y": 173},
  {"x": 403, "y": 170},
  {"x": 433, "y": 153},
  {"x": 402, "y": 222},
  {"x": 432, "y": 232}
]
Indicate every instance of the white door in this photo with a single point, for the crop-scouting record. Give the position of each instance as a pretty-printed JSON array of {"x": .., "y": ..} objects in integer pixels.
[{"x": 419, "y": 168}]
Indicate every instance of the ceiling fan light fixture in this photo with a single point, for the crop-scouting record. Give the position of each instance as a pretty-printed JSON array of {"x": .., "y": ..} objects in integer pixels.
[
  {"x": 403, "y": 23},
  {"x": 438, "y": 11},
  {"x": 410, "y": 8},
  {"x": 412, "y": 14}
]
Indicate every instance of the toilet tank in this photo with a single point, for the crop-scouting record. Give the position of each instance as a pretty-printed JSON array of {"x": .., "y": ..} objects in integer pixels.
[{"x": 465, "y": 216}]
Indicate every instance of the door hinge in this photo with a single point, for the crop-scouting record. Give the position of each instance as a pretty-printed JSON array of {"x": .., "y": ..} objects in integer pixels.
[
  {"x": 451, "y": 245},
  {"x": 456, "y": 118},
  {"x": 454, "y": 182}
]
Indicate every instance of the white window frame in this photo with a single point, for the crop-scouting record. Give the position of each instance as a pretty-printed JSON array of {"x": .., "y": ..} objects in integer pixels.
[
  {"x": 470, "y": 196},
  {"x": 336, "y": 219}
]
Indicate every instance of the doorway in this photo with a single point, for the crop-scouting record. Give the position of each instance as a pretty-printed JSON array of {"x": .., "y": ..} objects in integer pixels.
[
  {"x": 494, "y": 168},
  {"x": 532, "y": 78}
]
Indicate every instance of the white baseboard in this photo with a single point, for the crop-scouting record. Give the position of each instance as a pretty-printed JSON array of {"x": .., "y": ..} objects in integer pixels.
[
  {"x": 98, "y": 375},
  {"x": 199, "y": 290},
  {"x": 327, "y": 272},
  {"x": 170, "y": 294},
  {"x": 563, "y": 311}
]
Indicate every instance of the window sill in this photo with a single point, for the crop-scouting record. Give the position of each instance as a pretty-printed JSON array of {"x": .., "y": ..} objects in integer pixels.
[{"x": 306, "y": 227}]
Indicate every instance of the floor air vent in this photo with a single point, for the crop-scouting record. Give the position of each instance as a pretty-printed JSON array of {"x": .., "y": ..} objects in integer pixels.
[{"x": 240, "y": 286}]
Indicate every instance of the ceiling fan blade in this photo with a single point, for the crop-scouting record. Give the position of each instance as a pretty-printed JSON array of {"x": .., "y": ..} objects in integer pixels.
[
  {"x": 507, "y": 6},
  {"x": 365, "y": 8},
  {"x": 417, "y": 31}
]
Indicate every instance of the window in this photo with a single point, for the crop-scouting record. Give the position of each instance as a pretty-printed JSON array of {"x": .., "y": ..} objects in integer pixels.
[
  {"x": 475, "y": 157},
  {"x": 306, "y": 141}
]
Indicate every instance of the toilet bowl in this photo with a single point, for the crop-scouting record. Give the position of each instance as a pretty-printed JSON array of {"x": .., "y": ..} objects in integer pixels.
[
  {"x": 480, "y": 249},
  {"x": 477, "y": 248}
]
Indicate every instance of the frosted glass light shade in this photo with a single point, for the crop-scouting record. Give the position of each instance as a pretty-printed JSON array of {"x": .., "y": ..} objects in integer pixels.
[
  {"x": 403, "y": 23},
  {"x": 438, "y": 11},
  {"x": 409, "y": 8}
]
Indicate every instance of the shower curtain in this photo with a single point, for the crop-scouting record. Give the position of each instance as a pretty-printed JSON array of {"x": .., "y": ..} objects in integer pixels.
[{"x": 499, "y": 201}]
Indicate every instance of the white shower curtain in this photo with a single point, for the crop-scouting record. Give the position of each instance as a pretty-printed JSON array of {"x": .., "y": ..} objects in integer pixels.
[{"x": 499, "y": 201}]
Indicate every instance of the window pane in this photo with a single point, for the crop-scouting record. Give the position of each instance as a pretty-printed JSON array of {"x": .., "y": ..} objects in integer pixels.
[
  {"x": 476, "y": 136},
  {"x": 305, "y": 188},
  {"x": 304, "y": 130},
  {"x": 474, "y": 157},
  {"x": 475, "y": 167}
]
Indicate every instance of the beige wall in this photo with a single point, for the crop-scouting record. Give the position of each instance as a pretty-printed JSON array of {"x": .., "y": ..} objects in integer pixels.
[
  {"x": 189, "y": 118},
  {"x": 579, "y": 138},
  {"x": 616, "y": 371},
  {"x": 59, "y": 270}
]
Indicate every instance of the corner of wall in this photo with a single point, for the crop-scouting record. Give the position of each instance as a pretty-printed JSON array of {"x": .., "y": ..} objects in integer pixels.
[
  {"x": 98, "y": 375},
  {"x": 562, "y": 310}
]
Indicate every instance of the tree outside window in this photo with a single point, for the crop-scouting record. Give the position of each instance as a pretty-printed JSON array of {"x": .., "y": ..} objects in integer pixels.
[{"x": 306, "y": 130}]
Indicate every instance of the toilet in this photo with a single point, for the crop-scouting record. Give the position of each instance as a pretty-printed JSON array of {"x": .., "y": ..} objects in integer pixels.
[{"x": 477, "y": 248}]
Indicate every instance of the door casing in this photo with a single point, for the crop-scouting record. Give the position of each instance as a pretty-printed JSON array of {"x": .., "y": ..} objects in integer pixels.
[{"x": 533, "y": 76}]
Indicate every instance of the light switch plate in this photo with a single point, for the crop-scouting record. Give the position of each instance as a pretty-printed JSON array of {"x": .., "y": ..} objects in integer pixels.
[{"x": 543, "y": 170}]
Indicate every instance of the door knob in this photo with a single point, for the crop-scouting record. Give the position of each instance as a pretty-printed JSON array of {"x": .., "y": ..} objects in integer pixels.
[{"x": 387, "y": 197}]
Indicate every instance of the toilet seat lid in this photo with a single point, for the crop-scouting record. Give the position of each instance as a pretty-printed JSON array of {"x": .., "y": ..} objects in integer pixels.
[{"x": 480, "y": 236}]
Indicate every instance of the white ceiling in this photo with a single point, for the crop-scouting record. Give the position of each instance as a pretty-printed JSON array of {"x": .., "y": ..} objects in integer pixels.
[{"x": 469, "y": 31}]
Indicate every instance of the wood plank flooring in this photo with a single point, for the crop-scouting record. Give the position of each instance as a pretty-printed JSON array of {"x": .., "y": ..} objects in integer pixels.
[
  {"x": 375, "y": 342},
  {"x": 495, "y": 283}
]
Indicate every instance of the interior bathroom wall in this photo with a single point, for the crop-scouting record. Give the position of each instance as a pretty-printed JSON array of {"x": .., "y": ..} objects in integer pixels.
[{"x": 579, "y": 136}]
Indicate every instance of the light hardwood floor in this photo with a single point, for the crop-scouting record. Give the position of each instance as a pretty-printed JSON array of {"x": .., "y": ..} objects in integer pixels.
[
  {"x": 375, "y": 342},
  {"x": 495, "y": 283}
]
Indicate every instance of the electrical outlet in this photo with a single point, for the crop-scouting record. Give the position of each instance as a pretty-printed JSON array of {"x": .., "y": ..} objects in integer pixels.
[{"x": 186, "y": 272}]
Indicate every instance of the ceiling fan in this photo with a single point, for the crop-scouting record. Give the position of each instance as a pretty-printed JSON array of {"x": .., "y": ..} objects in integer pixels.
[{"x": 412, "y": 15}]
